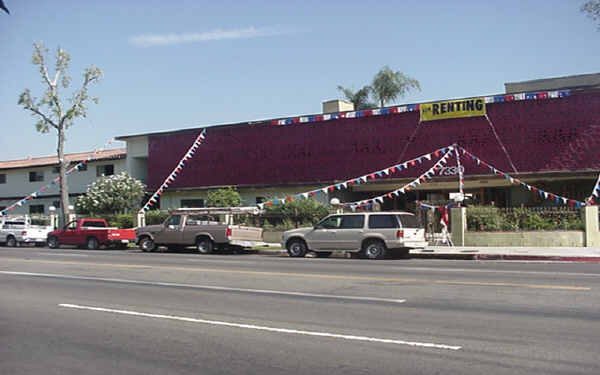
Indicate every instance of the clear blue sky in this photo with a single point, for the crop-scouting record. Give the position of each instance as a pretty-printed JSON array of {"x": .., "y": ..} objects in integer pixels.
[{"x": 179, "y": 64}]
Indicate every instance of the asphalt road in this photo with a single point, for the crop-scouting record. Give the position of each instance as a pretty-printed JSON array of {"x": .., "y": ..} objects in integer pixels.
[{"x": 126, "y": 312}]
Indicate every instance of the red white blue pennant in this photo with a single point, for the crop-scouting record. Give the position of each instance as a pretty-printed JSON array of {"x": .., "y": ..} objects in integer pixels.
[
  {"x": 415, "y": 107},
  {"x": 411, "y": 185},
  {"x": 543, "y": 194},
  {"x": 176, "y": 171},
  {"x": 45, "y": 188},
  {"x": 359, "y": 180}
]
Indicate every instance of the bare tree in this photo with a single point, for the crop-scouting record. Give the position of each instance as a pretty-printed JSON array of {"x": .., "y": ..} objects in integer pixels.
[
  {"x": 592, "y": 8},
  {"x": 50, "y": 110}
]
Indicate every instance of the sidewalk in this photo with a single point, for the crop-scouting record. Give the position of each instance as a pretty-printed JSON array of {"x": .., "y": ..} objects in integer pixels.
[{"x": 564, "y": 254}]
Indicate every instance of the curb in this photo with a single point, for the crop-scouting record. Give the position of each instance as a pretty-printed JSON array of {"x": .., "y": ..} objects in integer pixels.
[
  {"x": 556, "y": 258},
  {"x": 482, "y": 257}
]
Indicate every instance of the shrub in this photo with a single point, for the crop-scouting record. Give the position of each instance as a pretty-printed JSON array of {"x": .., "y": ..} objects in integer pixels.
[
  {"x": 156, "y": 217},
  {"x": 118, "y": 193},
  {"x": 295, "y": 213},
  {"x": 481, "y": 218},
  {"x": 227, "y": 197}
]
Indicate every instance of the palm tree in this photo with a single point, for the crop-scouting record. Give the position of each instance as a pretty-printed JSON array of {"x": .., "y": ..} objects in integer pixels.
[
  {"x": 389, "y": 85},
  {"x": 360, "y": 98}
]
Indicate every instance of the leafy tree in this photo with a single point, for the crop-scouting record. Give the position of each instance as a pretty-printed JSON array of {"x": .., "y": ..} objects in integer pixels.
[
  {"x": 389, "y": 85},
  {"x": 297, "y": 213},
  {"x": 359, "y": 98},
  {"x": 227, "y": 197},
  {"x": 118, "y": 193},
  {"x": 592, "y": 8},
  {"x": 50, "y": 110}
]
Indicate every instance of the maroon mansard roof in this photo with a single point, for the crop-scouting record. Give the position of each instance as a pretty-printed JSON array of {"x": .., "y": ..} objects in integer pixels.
[{"x": 549, "y": 135}]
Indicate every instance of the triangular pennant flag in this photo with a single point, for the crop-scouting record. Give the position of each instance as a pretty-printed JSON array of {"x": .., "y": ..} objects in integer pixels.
[{"x": 428, "y": 156}]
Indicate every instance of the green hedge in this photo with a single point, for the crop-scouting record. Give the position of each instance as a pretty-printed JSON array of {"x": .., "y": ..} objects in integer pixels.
[{"x": 485, "y": 218}]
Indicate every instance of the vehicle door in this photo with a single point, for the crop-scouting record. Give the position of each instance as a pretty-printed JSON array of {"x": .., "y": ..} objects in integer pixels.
[
  {"x": 193, "y": 225},
  {"x": 322, "y": 237},
  {"x": 69, "y": 234},
  {"x": 350, "y": 234},
  {"x": 171, "y": 232},
  {"x": 385, "y": 225}
]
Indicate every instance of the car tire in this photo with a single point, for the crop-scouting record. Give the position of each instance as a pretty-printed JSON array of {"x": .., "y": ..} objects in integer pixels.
[
  {"x": 92, "y": 243},
  {"x": 374, "y": 249},
  {"x": 204, "y": 245},
  {"x": 11, "y": 241},
  {"x": 146, "y": 244},
  {"x": 324, "y": 254},
  {"x": 296, "y": 248},
  {"x": 53, "y": 242}
]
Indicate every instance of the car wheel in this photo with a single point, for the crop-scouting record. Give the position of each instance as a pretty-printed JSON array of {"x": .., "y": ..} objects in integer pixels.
[
  {"x": 374, "y": 249},
  {"x": 11, "y": 241},
  {"x": 53, "y": 242},
  {"x": 296, "y": 248},
  {"x": 204, "y": 245},
  {"x": 92, "y": 243},
  {"x": 147, "y": 244},
  {"x": 324, "y": 254}
]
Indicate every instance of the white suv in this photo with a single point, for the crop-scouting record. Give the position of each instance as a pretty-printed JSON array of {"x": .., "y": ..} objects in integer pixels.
[{"x": 372, "y": 234}]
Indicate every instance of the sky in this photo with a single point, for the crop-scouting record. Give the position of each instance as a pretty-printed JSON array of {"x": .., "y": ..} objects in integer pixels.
[{"x": 191, "y": 63}]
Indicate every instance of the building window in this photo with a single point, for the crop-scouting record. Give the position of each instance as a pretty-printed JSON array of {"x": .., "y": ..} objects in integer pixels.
[
  {"x": 36, "y": 209},
  {"x": 56, "y": 169},
  {"x": 2, "y": 178},
  {"x": 192, "y": 203},
  {"x": 105, "y": 170},
  {"x": 56, "y": 204},
  {"x": 36, "y": 176},
  {"x": 2, "y": 208}
]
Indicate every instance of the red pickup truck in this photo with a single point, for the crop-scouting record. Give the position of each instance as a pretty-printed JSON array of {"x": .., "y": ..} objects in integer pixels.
[{"x": 91, "y": 234}]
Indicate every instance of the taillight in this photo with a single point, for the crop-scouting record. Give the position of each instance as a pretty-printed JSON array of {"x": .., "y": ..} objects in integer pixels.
[
  {"x": 228, "y": 232},
  {"x": 24, "y": 233},
  {"x": 400, "y": 233}
]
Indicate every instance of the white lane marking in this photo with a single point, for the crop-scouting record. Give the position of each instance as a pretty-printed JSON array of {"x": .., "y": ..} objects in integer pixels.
[
  {"x": 463, "y": 270},
  {"x": 264, "y": 328},
  {"x": 206, "y": 287},
  {"x": 64, "y": 255}
]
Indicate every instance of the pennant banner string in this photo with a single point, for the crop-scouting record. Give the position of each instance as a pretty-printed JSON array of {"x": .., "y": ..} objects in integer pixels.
[
  {"x": 514, "y": 181},
  {"x": 178, "y": 168},
  {"x": 422, "y": 178},
  {"x": 45, "y": 188},
  {"x": 591, "y": 199},
  {"x": 461, "y": 178},
  {"x": 544, "y": 95},
  {"x": 358, "y": 180}
]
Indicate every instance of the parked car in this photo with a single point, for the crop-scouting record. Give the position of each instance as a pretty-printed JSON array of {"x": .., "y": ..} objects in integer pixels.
[
  {"x": 91, "y": 233},
  {"x": 208, "y": 229},
  {"x": 371, "y": 234},
  {"x": 19, "y": 231}
]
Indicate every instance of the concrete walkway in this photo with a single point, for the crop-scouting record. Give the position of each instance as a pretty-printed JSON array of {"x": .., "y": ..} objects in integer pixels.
[{"x": 565, "y": 254}]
